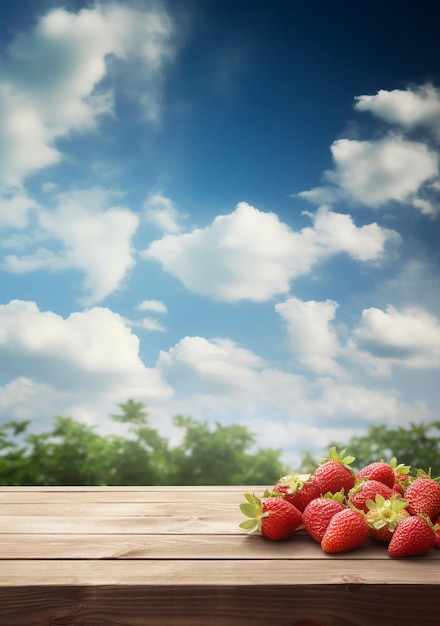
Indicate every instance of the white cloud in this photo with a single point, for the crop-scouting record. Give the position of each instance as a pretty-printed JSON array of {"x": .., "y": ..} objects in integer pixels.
[
  {"x": 155, "y": 306},
  {"x": 15, "y": 209},
  {"x": 94, "y": 239},
  {"x": 160, "y": 211},
  {"x": 409, "y": 338},
  {"x": 373, "y": 173},
  {"x": 149, "y": 323},
  {"x": 312, "y": 336},
  {"x": 250, "y": 254},
  {"x": 85, "y": 364},
  {"x": 22, "y": 398},
  {"x": 90, "y": 352},
  {"x": 213, "y": 365},
  {"x": 409, "y": 108},
  {"x": 335, "y": 233},
  {"x": 50, "y": 78},
  {"x": 218, "y": 380}
]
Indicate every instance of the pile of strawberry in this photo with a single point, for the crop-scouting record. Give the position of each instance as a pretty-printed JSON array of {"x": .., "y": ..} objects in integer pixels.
[{"x": 340, "y": 509}]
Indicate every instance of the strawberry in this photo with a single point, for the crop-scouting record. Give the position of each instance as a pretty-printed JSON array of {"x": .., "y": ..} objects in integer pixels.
[
  {"x": 334, "y": 472},
  {"x": 274, "y": 517},
  {"x": 346, "y": 530},
  {"x": 401, "y": 482},
  {"x": 367, "y": 490},
  {"x": 423, "y": 495},
  {"x": 383, "y": 472},
  {"x": 383, "y": 516},
  {"x": 298, "y": 489},
  {"x": 401, "y": 476},
  {"x": 318, "y": 513},
  {"x": 414, "y": 536}
]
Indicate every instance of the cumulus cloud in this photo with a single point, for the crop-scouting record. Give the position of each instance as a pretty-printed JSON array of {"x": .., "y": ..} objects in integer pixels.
[
  {"x": 26, "y": 399},
  {"x": 410, "y": 108},
  {"x": 219, "y": 380},
  {"x": 51, "y": 78},
  {"x": 372, "y": 173},
  {"x": 160, "y": 211},
  {"x": 219, "y": 364},
  {"x": 312, "y": 337},
  {"x": 88, "y": 352},
  {"x": 90, "y": 237},
  {"x": 338, "y": 405},
  {"x": 250, "y": 254},
  {"x": 86, "y": 363},
  {"x": 409, "y": 338},
  {"x": 15, "y": 209}
]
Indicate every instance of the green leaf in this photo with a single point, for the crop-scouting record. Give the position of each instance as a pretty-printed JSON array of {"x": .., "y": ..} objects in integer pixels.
[
  {"x": 248, "y": 510},
  {"x": 249, "y": 524}
]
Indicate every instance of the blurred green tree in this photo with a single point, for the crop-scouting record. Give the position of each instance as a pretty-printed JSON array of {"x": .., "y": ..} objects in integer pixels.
[
  {"x": 417, "y": 445},
  {"x": 73, "y": 453},
  {"x": 206, "y": 456}
]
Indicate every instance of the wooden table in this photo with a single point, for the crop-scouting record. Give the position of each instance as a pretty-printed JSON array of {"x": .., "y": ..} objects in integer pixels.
[{"x": 175, "y": 555}]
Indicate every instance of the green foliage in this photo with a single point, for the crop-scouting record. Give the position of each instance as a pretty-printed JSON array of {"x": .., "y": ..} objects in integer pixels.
[
  {"x": 417, "y": 445},
  {"x": 73, "y": 453},
  {"x": 206, "y": 456}
]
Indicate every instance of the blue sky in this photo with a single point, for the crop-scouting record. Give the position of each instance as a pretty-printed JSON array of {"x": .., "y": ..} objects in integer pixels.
[{"x": 228, "y": 210}]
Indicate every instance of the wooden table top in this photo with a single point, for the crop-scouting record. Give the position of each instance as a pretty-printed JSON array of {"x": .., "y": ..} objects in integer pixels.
[{"x": 130, "y": 556}]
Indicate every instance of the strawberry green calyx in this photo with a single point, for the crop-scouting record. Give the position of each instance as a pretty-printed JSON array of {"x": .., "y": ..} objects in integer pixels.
[
  {"x": 420, "y": 473},
  {"x": 389, "y": 513},
  {"x": 272, "y": 494},
  {"x": 334, "y": 455},
  {"x": 400, "y": 468},
  {"x": 294, "y": 482},
  {"x": 253, "y": 509},
  {"x": 339, "y": 496}
]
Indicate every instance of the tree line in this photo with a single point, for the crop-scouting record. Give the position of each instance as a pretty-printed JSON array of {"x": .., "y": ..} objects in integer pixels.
[{"x": 74, "y": 453}]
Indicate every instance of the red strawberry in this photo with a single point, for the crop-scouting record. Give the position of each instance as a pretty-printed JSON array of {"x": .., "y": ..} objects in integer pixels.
[
  {"x": 383, "y": 472},
  {"x": 274, "y": 517},
  {"x": 317, "y": 515},
  {"x": 334, "y": 472},
  {"x": 298, "y": 489},
  {"x": 347, "y": 530},
  {"x": 386, "y": 473},
  {"x": 401, "y": 482},
  {"x": 367, "y": 490},
  {"x": 423, "y": 495},
  {"x": 414, "y": 536},
  {"x": 383, "y": 516}
]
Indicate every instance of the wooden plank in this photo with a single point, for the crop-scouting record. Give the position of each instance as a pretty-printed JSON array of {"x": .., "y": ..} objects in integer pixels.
[
  {"x": 175, "y": 556},
  {"x": 204, "y": 509},
  {"x": 415, "y": 573},
  {"x": 328, "y": 605},
  {"x": 68, "y": 495},
  {"x": 346, "y": 605},
  {"x": 147, "y": 525},
  {"x": 195, "y": 546}
]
